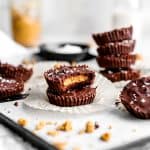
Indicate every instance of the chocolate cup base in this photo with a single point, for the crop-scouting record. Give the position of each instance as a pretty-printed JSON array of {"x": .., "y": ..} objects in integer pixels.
[{"x": 74, "y": 98}]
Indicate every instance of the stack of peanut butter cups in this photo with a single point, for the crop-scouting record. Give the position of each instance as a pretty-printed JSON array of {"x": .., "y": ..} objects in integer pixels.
[
  {"x": 115, "y": 54},
  {"x": 70, "y": 85}
]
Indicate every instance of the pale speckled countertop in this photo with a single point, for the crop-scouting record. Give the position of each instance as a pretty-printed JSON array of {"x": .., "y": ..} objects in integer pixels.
[{"x": 125, "y": 128}]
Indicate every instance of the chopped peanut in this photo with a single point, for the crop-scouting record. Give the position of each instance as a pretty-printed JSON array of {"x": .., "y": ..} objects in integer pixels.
[
  {"x": 22, "y": 122},
  {"x": 40, "y": 125},
  {"x": 28, "y": 62},
  {"x": 110, "y": 127},
  {"x": 60, "y": 145},
  {"x": 58, "y": 65},
  {"x": 89, "y": 127},
  {"x": 49, "y": 123},
  {"x": 76, "y": 148},
  {"x": 73, "y": 63},
  {"x": 105, "y": 137},
  {"x": 66, "y": 126},
  {"x": 139, "y": 57},
  {"x": 52, "y": 133},
  {"x": 81, "y": 132}
]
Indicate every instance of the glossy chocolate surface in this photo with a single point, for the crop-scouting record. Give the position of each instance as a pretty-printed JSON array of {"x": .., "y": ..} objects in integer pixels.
[{"x": 136, "y": 97}]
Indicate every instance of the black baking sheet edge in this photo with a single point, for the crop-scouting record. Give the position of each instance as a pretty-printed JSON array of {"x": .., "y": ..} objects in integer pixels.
[{"x": 25, "y": 134}]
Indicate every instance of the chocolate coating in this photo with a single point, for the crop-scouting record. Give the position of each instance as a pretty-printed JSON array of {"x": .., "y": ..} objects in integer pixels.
[
  {"x": 10, "y": 87},
  {"x": 15, "y": 72},
  {"x": 135, "y": 96},
  {"x": 55, "y": 77},
  {"x": 123, "y": 47},
  {"x": 113, "y": 36},
  {"x": 112, "y": 61},
  {"x": 120, "y": 74},
  {"x": 76, "y": 97}
]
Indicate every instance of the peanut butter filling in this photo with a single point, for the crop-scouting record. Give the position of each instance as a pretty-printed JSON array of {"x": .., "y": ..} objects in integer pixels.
[{"x": 75, "y": 79}]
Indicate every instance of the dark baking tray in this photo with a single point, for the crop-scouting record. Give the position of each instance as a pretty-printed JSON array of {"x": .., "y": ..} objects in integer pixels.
[{"x": 46, "y": 53}]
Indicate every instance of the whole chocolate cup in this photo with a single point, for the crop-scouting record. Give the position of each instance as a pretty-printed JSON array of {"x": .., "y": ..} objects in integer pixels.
[
  {"x": 135, "y": 96},
  {"x": 10, "y": 87},
  {"x": 120, "y": 75},
  {"x": 123, "y": 47},
  {"x": 112, "y": 61},
  {"x": 15, "y": 72},
  {"x": 113, "y": 36},
  {"x": 73, "y": 98}
]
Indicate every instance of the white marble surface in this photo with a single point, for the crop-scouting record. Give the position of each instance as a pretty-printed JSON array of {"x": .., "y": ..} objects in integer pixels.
[{"x": 125, "y": 128}]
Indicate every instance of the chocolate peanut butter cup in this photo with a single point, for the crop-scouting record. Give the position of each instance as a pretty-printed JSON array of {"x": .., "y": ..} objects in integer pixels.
[
  {"x": 75, "y": 97},
  {"x": 135, "y": 96},
  {"x": 15, "y": 72},
  {"x": 10, "y": 87},
  {"x": 112, "y": 61},
  {"x": 113, "y": 36},
  {"x": 65, "y": 78},
  {"x": 123, "y": 47},
  {"x": 120, "y": 74}
]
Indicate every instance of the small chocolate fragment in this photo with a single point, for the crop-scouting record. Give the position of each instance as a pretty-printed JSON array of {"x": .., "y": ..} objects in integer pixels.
[
  {"x": 120, "y": 74},
  {"x": 123, "y": 47},
  {"x": 15, "y": 72},
  {"x": 10, "y": 87},
  {"x": 113, "y": 36},
  {"x": 65, "y": 78},
  {"x": 76, "y": 97},
  {"x": 96, "y": 125},
  {"x": 112, "y": 61},
  {"x": 16, "y": 104},
  {"x": 135, "y": 96}
]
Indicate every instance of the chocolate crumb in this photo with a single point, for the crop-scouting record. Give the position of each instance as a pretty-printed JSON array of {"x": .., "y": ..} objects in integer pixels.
[
  {"x": 96, "y": 125},
  {"x": 29, "y": 89},
  {"x": 117, "y": 103},
  {"x": 16, "y": 104}
]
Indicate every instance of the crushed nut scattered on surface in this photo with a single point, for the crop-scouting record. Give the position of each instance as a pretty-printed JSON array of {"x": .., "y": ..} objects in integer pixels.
[
  {"x": 76, "y": 148},
  {"x": 29, "y": 61},
  {"x": 139, "y": 57},
  {"x": 73, "y": 63},
  {"x": 52, "y": 133},
  {"x": 110, "y": 127},
  {"x": 57, "y": 65},
  {"x": 49, "y": 123},
  {"x": 66, "y": 126},
  {"x": 105, "y": 137},
  {"x": 40, "y": 125},
  {"x": 22, "y": 122},
  {"x": 81, "y": 131},
  {"x": 89, "y": 127},
  {"x": 60, "y": 145}
]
